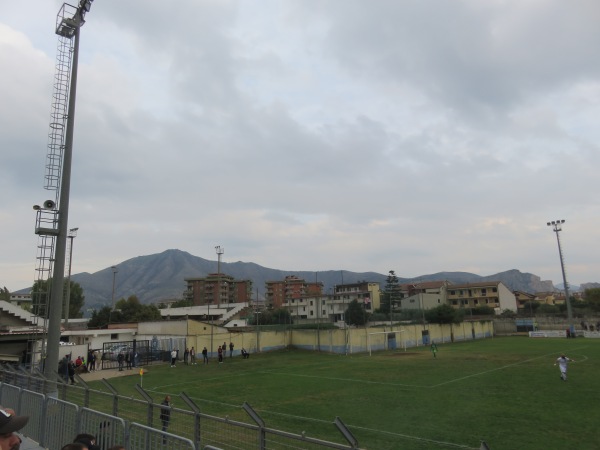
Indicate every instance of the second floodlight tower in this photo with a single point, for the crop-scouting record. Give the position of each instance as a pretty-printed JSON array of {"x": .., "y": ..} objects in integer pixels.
[
  {"x": 220, "y": 250},
  {"x": 557, "y": 228}
]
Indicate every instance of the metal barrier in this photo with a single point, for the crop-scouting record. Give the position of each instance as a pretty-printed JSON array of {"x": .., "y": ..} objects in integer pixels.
[
  {"x": 136, "y": 424},
  {"x": 109, "y": 430},
  {"x": 141, "y": 436},
  {"x": 30, "y": 406},
  {"x": 11, "y": 395},
  {"x": 61, "y": 423}
]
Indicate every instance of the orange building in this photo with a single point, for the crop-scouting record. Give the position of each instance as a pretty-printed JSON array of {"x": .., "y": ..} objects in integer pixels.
[
  {"x": 292, "y": 287},
  {"x": 217, "y": 289}
]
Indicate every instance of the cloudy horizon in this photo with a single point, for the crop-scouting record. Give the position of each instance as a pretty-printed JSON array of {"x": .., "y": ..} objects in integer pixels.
[{"x": 414, "y": 136}]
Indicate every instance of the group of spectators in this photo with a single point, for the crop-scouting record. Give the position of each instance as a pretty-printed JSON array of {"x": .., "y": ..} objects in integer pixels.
[
  {"x": 126, "y": 357},
  {"x": 10, "y": 424},
  {"x": 67, "y": 368},
  {"x": 189, "y": 355}
]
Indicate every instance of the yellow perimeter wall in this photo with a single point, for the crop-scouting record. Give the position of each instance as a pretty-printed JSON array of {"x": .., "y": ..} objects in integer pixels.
[{"x": 353, "y": 340}]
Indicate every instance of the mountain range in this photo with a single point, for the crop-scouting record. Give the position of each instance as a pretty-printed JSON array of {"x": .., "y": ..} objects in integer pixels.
[{"x": 160, "y": 277}]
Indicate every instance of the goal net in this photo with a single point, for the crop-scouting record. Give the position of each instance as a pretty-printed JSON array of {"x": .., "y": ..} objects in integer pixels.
[{"x": 386, "y": 340}]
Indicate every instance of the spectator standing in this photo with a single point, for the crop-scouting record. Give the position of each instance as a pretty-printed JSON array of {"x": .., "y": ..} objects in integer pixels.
[
  {"x": 186, "y": 355},
  {"x": 231, "y": 349},
  {"x": 165, "y": 415},
  {"x": 71, "y": 368},
  {"x": 192, "y": 356},
  {"x": 173, "y": 357},
  {"x": 204, "y": 356},
  {"x": 63, "y": 368},
  {"x": 120, "y": 359},
  {"x": 89, "y": 360},
  {"x": 220, "y": 353},
  {"x": 93, "y": 360},
  {"x": 128, "y": 360}
]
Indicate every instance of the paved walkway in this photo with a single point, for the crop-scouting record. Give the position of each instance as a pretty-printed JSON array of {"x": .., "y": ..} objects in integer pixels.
[
  {"x": 108, "y": 373},
  {"x": 28, "y": 444}
]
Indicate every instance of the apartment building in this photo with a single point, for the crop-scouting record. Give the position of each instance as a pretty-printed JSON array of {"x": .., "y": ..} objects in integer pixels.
[
  {"x": 331, "y": 308},
  {"x": 551, "y": 298},
  {"x": 217, "y": 289},
  {"x": 366, "y": 293},
  {"x": 523, "y": 299},
  {"x": 21, "y": 300},
  {"x": 426, "y": 295},
  {"x": 493, "y": 294},
  {"x": 290, "y": 288}
]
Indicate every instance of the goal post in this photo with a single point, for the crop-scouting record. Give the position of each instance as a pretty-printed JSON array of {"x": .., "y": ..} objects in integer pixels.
[{"x": 383, "y": 340}]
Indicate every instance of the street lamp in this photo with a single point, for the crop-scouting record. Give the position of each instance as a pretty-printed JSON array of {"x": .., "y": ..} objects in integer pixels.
[
  {"x": 114, "y": 271},
  {"x": 70, "y": 20},
  {"x": 557, "y": 227},
  {"x": 72, "y": 235}
]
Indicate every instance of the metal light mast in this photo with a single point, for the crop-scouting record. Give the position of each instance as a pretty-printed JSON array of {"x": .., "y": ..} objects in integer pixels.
[
  {"x": 72, "y": 235},
  {"x": 220, "y": 250},
  {"x": 115, "y": 270},
  {"x": 557, "y": 227},
  {"x": 54, "y": 224}
]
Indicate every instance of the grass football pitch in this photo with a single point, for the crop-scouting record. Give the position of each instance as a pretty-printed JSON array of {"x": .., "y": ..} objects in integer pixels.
[{"x": 504, "y": 391}]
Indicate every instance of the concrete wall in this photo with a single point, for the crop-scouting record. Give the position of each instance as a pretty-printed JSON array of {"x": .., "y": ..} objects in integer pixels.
[
  {"x": 508, "y": 326},
  {"x": 164, "y": 327},
  {"x": 352, "y": 340}
]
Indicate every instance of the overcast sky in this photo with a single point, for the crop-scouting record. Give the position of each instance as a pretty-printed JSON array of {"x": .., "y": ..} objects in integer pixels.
[{"x": 416, "y": 136}]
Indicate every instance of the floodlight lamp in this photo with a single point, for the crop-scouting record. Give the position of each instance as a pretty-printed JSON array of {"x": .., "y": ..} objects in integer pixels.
[{"x": 86, "y": 5}]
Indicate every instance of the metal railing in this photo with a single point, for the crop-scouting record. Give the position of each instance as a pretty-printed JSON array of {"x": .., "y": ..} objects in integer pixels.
[{"x": 58, "y": 412}]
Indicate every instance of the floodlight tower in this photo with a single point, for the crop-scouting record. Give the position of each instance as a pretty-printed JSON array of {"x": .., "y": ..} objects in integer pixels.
[
  {"x": 220, "y": 250},
  {"x": 115, "y": 270},
  {"x": 69, "y": 21},
  {"x": 557, "y": 228},
  {"x": 72, "y": 235}
]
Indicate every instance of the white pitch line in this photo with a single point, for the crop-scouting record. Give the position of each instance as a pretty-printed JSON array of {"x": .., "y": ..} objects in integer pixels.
[
  {"x": 199, "y": 380},
  {"x": 344, "y": 379},
  {"x": 497, "y": 368},
  {"x": 405, "y": 436}
]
